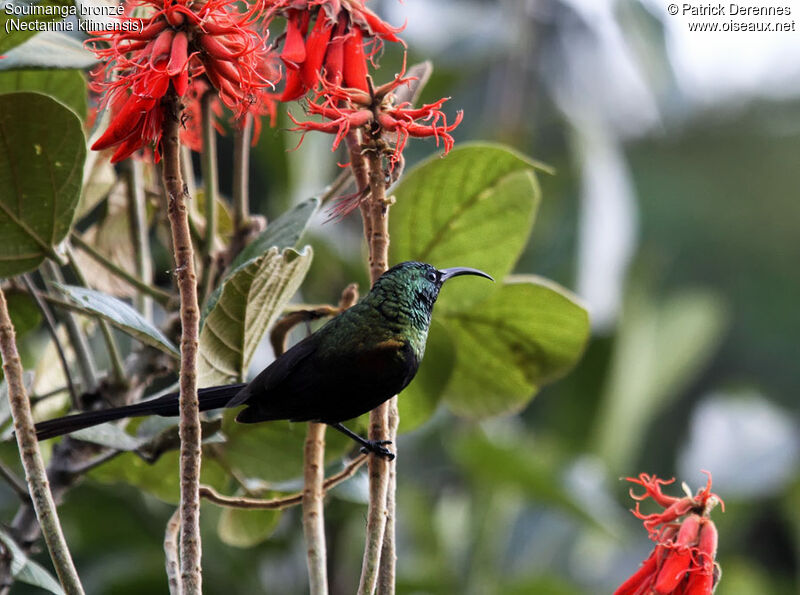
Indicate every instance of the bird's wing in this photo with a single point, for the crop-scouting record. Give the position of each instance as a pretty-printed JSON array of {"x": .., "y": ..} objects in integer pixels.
[{"x": 276, "y": 372}]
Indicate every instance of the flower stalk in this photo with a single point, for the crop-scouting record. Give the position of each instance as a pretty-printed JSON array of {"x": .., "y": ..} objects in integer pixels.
[
  {"x": 35, "y": 472},
  {"x": 189, "y": 425}
]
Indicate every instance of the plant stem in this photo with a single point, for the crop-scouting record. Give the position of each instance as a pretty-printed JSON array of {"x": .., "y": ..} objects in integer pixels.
[
  {"x": 212, "y": 495},
  {"x": 137, "y": 215},
  {"x": 51, "y": 327},
  {"x": 189, "y": 425},
  {"x": 35, "y": 473},
  {"x": 313, "y": 509},
  {"x": 386, "y": 572},
  {"x": 117, "y": 367},
  {"x": 80, "y": 345},
  {"x": 208, "y": 165},
  {"x": 161, "y": 296},
  {"x": 375, "y": 212},
  {"x": 171, "y": 553},
  {"x": 241, "y": 174}
]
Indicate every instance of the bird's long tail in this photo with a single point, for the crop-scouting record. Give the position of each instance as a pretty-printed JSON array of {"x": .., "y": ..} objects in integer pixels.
[{"x": 215, "y": 397}]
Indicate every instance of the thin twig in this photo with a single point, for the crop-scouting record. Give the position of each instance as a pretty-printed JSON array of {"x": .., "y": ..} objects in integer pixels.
[
  {"x": 375, "y": 214},
  {"x": 161, "y": 296},
  {"x": 171, "y": 552},
  {"x": 35, "y": 472},
  {"x": 51, "y": 327},
  {"x": 51, "y": 272},
  {"x": 137, "y": 216},
  {"x": 15, "y": 483},
  {"x": 117, "y": 367},
  {"x": 208, "y": 167},
  {"x": 189, "y": 425},
  {"x": 210, "y": 494},
  {"x": 241, "y": 174}
]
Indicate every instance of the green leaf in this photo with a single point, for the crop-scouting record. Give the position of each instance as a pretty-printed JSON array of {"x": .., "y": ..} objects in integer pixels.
[
  {"x": 246, "y": 528},
  {"x": 526, "y": 334},
  {"x": 66, "y": 86},
  {"x": 120, "y": 314},
  {"x": 660, "y": 348},
  {"x": 48, "y": 49},
  {"x": 272, "y": 451},
  {"x": 418, "y": 402},
  {"x": 282, "y": 233},
  {"x": 161, "y": 478},
  {"x": 25, "y": 314},
  {"x": 475, "y": 207},
  {"x": 243, "y": 308},
  {"x": 42, "y": 149},
  {"x": 14, "y": 25},
  {"x": 26, "y": 570}
]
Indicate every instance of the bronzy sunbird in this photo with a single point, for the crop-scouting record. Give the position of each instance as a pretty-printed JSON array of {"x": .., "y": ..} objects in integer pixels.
[{"x": 349, "y": 366}]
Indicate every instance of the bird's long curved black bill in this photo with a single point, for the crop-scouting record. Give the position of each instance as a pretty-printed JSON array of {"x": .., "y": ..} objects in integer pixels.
[{"x": 445, "y": 274}]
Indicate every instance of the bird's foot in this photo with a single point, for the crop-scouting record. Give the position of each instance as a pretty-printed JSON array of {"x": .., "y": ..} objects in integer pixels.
[{"x": 376, "y": 447}]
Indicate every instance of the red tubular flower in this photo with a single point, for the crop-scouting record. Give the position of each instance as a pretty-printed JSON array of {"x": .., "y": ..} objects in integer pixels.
[
  {"x": 683, "y": 560},
  {"x": 178, "y": 42},
  {"x": 324, "y": 40},
  {"x": 374, "y": 111}
]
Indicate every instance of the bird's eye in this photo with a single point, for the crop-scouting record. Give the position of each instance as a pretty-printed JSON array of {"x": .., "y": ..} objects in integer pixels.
[{"x": 431, "y": 276}]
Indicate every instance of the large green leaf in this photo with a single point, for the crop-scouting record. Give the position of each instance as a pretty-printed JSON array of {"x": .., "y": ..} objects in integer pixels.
[
  {"x": 282, "y": 233},
  {"x": 272, "y": 451},
  {"x": 527, "y": 333},
  {"x": 42, "y": 149},
  {"x": 120, "y": 314},
  {"x": 26, "y": 570},
  {"x": 160, "y": 478},
  {"x": 246, "y": 528},
  {"x": 19, "y": 23},
  {"x": 473, "y": 208},
  {"x": 242, "y": 310},
  {"x": 418, "y": 402},
  {"x": 48, "y": 49},
  {"x": 67, "y": 86}
]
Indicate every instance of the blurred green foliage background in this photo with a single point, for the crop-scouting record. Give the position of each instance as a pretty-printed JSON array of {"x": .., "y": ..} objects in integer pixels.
[{"x": 675, "y": 218}]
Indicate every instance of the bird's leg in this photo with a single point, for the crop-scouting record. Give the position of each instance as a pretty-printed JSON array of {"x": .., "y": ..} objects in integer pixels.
[{"x": 373, "y": 446}]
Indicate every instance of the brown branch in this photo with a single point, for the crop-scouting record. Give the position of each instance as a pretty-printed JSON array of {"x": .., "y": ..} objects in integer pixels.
[
  {"x": 313, "y": 508},
  {"x": 210, "y": 494},
  {"x": 35, "y": 473},
  {"x": 50, "y": 322},
  {"x": 189, "y": 425},
  {"x": 171, "y": 553},
  {"x": 375, "y": 214}
]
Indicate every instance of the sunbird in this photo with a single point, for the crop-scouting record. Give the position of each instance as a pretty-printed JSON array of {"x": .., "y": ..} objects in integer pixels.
[{"x": 349, "y": 366}]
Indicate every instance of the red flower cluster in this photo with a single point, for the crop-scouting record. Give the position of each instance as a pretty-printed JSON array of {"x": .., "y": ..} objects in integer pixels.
[
  {"x": 683, "y": 561},
  {"x": 324, "y": 39},
  {"x": 374, "y": 111},
  {"x": 170, "y": 48}
]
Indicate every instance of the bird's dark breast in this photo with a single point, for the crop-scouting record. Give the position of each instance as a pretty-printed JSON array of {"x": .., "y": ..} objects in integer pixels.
[{"x": 336, "y": 385}]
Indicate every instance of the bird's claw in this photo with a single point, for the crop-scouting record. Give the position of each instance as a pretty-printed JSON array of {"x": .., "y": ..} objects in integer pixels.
[{"x": 376, "y": 447}]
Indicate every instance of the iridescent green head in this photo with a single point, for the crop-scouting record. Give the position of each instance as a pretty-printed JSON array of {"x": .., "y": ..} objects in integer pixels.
[{"x": 421, "y": 282}]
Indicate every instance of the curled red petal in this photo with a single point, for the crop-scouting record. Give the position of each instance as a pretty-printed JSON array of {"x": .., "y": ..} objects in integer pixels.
[
  {"x": 316, "y": 46},
  {"x": 162, "y": 45},
  {"x": 181, "y": 82},
  {"x": 379, "y": 27},
  {"x": 643, "y": 576},
  {"x": 354, "y": 61},
  {"x": 178, "y": 56},
  {"x": 294, "y": 87},
  {"x": 294, "y": 48}
]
